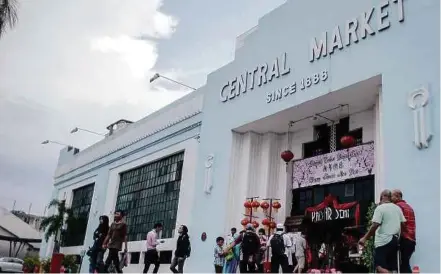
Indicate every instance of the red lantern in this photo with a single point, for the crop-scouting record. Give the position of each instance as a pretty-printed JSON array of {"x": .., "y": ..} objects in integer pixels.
[
  {"x": 347, "y": 141},
  {"x": 287, "y": 156},
  {"x": 255, "y": 204},
  {"x": 265, "y": 222},
  {"x": 244, "y": 222},
  {"x": 247, "y": 204},
  {"x": 255, "y": 224},
  {"x": 272, "y": 225},
  {"x": 276, "y": 206},
  {"x": 264, "y": 205}
]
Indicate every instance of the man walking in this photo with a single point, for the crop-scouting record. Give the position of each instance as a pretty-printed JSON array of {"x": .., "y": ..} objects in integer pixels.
[
  {"x": 152, "y": 255},
  {"x": 279, "y": 243},
  {"x": 300, "y": 251},
  {"x": 407, "y": 239},
  {"x": 114, "y": 240},
  {"x": 386, "y": 225},
  {"x": 250, "y": 245}
]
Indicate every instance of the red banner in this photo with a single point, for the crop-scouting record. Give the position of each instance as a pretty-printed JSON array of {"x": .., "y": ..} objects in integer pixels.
[{"x": 331, "y": 201}]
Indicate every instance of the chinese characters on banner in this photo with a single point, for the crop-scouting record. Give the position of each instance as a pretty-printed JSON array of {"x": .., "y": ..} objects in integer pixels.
[{"x": 334, "y": 167}]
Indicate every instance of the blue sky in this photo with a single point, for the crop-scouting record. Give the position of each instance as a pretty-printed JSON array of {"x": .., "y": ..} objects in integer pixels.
[{"x": 87, "y": 63}]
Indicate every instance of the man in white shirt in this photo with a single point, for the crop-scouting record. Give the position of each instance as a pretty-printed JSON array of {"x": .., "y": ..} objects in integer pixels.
[
  {"x": 300, "y": 253},
  {"x": 387, "y": 222},
  {"x": 280, "y": 244}
]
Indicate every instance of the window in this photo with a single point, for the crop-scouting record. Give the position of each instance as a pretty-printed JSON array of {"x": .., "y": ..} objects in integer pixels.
[
  {"x": 358, "y": 136},
  {"x": 150, "y": 194},
  {"x": 320, "y": 145},
  {"x": 76, "y": 227}
]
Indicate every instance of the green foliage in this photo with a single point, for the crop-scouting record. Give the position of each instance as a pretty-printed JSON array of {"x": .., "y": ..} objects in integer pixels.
[
  {"x": 31, "y": 261},
  {"x": 69, "y": 262},
  {"x": 53, "y": 224},
  {"x": 46, "y": 265},
  {"x": 368, "y": 256},
  {"x": 8, "y": 14}
]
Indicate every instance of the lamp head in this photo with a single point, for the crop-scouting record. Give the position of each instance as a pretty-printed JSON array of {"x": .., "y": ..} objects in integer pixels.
[
  {"x": 74, "y": 130},
  {"x": 45, "y": 142},
  {"x": 154, "y": 77}
]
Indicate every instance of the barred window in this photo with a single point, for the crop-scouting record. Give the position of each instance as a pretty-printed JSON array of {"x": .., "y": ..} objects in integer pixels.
[
  {"x": 76, "y": 226},
  {"x": 150, "y": 194}
]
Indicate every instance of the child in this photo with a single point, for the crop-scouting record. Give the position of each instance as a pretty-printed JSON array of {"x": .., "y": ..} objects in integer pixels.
[{"x": 219, "y": 257}]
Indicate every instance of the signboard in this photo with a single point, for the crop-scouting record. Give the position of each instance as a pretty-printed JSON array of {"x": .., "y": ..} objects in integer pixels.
[
  {"x": 358, "y": 28},
  {"x": 330, "y": 214},
  {"x": 334, "y": 167}
]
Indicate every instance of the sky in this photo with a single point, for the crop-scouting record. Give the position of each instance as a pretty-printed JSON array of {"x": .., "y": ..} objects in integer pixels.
[{"x": 87, "y": 63}]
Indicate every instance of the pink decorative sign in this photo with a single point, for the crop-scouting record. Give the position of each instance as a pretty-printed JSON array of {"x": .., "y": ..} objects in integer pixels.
[{"x": 334, "y": 167}]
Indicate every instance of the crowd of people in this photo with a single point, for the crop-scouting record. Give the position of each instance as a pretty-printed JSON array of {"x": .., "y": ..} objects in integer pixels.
[
  {"x": 250, "y": 251},
  {"x": 393, "y": 226},
  {"x": 113, "y": 237}
]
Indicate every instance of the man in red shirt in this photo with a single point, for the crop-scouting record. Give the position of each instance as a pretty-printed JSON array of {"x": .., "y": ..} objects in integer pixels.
[{"x": 408, "y": 240}]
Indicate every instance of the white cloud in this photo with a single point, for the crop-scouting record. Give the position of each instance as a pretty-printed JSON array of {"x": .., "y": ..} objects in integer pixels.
[
  {"x": 74, "y": 63},
  {"x": 140, "y": 55}
]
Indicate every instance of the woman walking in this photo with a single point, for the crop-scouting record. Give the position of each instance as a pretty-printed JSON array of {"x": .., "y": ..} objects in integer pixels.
[
  {"x": 97, "y": 251},
  {"x": 232, "y": 257},
  {"x": 183, "y": 250}
]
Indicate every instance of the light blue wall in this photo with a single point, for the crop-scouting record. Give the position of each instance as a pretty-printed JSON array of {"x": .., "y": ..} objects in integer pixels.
[
  {"x": 99, "y": 170},
  {"x": 407, "y": 56}
]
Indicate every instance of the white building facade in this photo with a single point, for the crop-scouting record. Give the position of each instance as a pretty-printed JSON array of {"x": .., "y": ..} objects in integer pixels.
[
  {"x": 157, "y": 154},
  {"x": 302, "y": 79}
]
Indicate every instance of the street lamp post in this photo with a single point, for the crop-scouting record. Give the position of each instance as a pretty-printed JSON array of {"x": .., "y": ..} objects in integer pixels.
[
  {"x": 45, "y": 142},
  {"x": 157, "y": 76},
  {"x": 86, "y": 130}
]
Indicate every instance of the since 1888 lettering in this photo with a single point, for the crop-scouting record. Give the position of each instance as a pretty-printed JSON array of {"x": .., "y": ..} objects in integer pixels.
[{"x": 302, "y": 84}]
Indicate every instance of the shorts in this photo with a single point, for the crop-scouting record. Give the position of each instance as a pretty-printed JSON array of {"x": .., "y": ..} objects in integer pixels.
[
  {"x": 386, "y": 255},
  {"x": 300, "y": 262}
]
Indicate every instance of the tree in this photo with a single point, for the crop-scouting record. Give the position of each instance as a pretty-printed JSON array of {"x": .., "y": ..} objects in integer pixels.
[
  {"x": 368, "y": 256},
  {"x": 8, "y": 14},
  {"x": 53, "y": 224}
]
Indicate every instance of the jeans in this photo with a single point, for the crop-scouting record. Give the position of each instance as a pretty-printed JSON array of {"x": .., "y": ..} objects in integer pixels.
[
  {"x": 279, "y": 261},
  {"x": 96, "y": 261},
  {"x": 151, "y": 257},
  {"x": 177, "y": 261},
  {"x": 407, "y": 247},
  {"x": 113, "y": 257}
]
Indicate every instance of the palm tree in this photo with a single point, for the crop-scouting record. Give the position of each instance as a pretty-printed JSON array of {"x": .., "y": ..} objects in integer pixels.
[
  {"x": 8, "y": 14},
  {"x": 54, "y": 224}
]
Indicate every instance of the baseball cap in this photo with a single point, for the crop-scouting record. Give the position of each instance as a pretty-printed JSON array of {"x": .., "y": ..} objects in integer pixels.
[{"x": 280, "y": 227}]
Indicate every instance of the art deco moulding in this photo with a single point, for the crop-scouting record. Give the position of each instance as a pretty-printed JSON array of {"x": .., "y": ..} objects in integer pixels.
[
  {"x": 418, "y": 101},
  {"x": 208, "y": 180}
]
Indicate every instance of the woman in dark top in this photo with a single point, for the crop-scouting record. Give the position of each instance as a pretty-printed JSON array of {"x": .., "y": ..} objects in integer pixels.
[
  {"x": 182, "y": 251},
  {"x": 97, "y": 252}
]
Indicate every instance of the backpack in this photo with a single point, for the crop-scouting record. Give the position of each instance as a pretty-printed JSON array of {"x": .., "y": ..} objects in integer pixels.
[
  {"x": 250, "y": 243},
  {"x": 277, "y": 245}
]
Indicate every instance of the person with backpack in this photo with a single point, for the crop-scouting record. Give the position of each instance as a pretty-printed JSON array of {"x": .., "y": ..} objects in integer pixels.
[
  {"x": 280, "y": 244},
  {"x": 250, "y": 246}
]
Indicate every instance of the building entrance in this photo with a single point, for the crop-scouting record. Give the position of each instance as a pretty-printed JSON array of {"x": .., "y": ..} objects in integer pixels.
[{"x": 334, "y": 217}]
